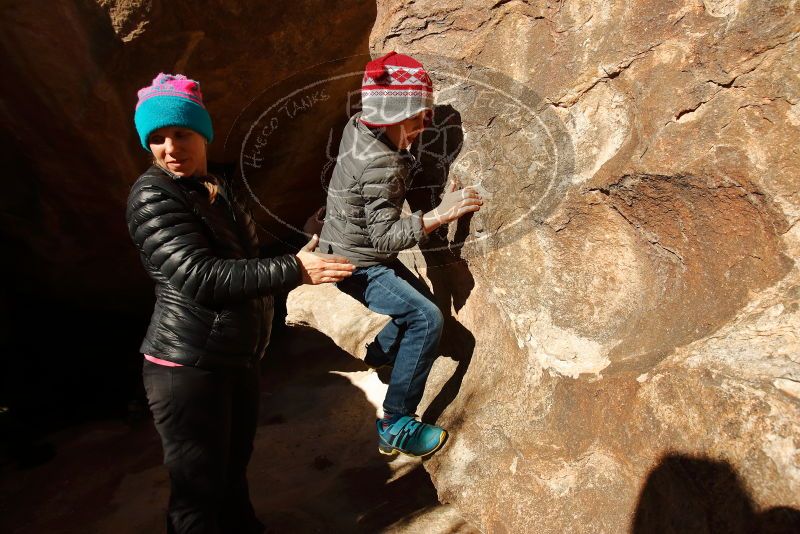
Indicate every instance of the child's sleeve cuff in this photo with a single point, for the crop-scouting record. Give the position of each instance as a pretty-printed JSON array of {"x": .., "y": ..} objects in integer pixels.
[{"x": 418, "y": 227}]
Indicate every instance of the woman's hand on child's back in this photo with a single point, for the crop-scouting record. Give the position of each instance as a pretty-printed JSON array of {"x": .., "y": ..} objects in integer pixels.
[
  {"x": 455, "y": 204},
  {"x": 319, "y": 268}
]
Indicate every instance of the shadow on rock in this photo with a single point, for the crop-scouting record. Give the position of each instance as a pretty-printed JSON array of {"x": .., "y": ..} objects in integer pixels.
[
  {"x": 386, "y": 504},
  {"x": 316, "y": 467},
  {"x": 686, "y": 494},
  {"x": 448, "y": 272},
  {"x": 459, "y": 344}
]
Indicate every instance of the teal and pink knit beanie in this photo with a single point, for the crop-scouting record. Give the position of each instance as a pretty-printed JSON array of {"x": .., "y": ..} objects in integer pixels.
[
  {"x": 394, "y": 88},
  {"x": 172, "y": 100}
]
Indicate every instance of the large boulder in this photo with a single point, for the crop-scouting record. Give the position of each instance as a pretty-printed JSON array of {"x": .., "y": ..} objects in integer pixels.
[{"x": 622, "y": 347}]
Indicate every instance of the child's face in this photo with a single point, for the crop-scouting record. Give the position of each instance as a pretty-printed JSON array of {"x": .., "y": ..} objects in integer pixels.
[{"x": 412, "y": 127}]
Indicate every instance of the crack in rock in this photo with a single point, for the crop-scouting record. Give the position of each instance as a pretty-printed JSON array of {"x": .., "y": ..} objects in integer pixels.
[{"x": 609, "y": 74}]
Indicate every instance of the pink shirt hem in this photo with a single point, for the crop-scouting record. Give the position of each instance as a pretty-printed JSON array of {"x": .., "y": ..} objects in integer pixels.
[{"x": 159, "y": 361}]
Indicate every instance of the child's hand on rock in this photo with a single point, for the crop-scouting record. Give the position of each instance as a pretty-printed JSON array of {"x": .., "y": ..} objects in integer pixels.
[{"x": 455, "y": 204}]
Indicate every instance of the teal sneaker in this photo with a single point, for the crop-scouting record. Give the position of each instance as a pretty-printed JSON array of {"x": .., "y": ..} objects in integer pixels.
[{"x": 411, "y": 437}]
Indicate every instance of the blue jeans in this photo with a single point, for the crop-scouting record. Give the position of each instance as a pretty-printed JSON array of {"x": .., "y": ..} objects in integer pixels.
[{"x": 410, "y": 340}]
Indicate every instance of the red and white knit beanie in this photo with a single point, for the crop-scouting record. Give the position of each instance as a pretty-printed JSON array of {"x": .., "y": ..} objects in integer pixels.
[{"x": 395, "y": 87}]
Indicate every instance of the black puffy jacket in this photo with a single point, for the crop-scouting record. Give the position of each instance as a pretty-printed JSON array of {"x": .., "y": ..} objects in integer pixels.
[{"x": 213, "y": 293}]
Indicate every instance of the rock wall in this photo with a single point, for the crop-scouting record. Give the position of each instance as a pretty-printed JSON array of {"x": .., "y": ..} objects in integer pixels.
[
  {"x": 68, "y": 96},
  {"x": 73, "y": 280},
  {"x": 629, "y": 358},
  {"x": 622, "y": 347}
]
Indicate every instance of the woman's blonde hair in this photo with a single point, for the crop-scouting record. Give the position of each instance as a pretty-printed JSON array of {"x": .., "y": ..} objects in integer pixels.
[{"x": 210, "y": 182}]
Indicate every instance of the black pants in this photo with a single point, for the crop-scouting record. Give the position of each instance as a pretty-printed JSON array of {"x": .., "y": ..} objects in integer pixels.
[{"x": 207, "y": 422}]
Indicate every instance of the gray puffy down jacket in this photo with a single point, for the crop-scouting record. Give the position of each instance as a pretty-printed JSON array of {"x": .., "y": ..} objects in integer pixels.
[{"x": 363, "y": 219}]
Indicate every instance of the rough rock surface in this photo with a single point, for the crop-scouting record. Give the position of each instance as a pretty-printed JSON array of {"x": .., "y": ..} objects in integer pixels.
[
  {"x": 629, "y": 358},
  {"x": 622, "y": 351}
]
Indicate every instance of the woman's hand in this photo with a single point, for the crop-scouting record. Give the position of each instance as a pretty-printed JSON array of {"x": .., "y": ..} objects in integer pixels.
[
  {"x": 319, "y": 268},
  {"x": 455, "y": 204}
]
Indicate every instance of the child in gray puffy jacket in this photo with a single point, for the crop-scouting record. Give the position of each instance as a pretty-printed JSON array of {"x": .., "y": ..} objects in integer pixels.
[{"x": 363, "y": 223}]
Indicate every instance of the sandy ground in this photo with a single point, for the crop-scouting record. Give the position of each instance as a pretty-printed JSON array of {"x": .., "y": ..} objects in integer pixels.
[{"x": 315, "y": 468}]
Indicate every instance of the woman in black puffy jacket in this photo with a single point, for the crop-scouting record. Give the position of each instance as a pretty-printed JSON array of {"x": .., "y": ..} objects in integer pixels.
[{"x": 213, "y": 310}]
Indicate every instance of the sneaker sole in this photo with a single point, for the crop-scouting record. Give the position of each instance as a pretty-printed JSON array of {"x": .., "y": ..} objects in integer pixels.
[{"x": 391, "y": 451}]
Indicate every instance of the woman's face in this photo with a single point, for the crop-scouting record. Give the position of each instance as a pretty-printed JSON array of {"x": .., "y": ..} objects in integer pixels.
[{"x": 179, "y": 150}]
